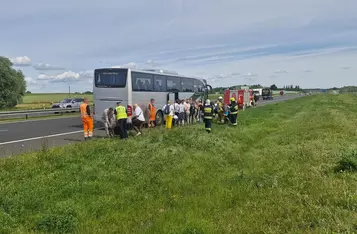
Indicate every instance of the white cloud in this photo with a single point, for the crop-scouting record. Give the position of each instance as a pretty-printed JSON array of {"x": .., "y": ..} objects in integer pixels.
[
  {"x": 46, "y": 67},
  {"x": 68, "y": 76},
  {"x": 127, "y": 65},
  {"x": 152, "y": 63},
  {"x": 30, "y": 80},
  {"x": 21, "y": 61},
  {"x": 249, "y": 75},
  {"x": 280, "y": 71},
  {"x": 86, "y": 74},
  {"x": 223, "y": 76}
]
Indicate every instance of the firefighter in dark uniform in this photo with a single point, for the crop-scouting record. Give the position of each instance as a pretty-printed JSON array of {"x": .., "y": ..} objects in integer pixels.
[
  {"x": 208, "y": 115},
  {"x": 233, "y": 112}
]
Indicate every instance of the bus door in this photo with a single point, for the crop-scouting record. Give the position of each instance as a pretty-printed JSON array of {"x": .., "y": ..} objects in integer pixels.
[
  {"x": 172, "y": 97},
  {"x": 208, "y": 87}
]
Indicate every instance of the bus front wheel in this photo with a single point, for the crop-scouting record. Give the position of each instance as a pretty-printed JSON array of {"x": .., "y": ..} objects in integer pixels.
[{"x": 159, "y": 118}]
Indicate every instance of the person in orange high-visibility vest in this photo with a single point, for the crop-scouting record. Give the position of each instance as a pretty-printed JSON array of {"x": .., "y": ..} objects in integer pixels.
[
  {"x": 87, "y": 119},
  {"x": 151, "y": 113}
]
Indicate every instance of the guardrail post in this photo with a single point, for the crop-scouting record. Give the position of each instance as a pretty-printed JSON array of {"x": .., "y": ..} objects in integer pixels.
[{"x": 27, "y": 116}]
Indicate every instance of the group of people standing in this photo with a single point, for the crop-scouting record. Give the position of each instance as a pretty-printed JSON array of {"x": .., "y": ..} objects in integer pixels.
[
  {"x": 119, "y": 118},
  {"x": 180, "y": 113},
  {"x": 184, "y": 112}
]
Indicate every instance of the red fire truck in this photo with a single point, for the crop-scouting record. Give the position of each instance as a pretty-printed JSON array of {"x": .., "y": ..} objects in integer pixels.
[{"x": 244, "y": 97}]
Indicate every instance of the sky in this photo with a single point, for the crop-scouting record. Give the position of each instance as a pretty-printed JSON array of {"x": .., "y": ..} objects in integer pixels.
[{"x": 57, "y": 44}]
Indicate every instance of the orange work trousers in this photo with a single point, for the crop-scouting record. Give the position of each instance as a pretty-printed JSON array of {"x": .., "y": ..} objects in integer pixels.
[{"x": 87, "y": 126}]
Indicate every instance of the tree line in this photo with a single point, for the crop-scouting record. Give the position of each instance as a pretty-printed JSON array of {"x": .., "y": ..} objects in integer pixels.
[
  {"x": 348, "y": 89},
  {"x": 257, "y": 86},
  {"x": 12, "y": 84}
]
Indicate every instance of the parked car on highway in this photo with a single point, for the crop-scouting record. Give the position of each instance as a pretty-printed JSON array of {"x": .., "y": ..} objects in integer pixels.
[{"x": 69, "y": 103}]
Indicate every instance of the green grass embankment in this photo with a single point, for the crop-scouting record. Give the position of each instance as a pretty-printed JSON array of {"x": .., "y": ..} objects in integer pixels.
[{"x": 278, "y": 172}]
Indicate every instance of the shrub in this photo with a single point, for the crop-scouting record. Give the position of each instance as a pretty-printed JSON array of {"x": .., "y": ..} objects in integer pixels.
[{"x": 348, "y": 163}]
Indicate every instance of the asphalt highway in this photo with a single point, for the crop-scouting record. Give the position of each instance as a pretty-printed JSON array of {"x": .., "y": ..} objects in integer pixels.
[{"x": 27, "y": 136}]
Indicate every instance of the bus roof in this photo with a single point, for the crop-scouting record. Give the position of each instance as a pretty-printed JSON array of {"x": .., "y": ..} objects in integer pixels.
[{"x": 152, "y": 71}]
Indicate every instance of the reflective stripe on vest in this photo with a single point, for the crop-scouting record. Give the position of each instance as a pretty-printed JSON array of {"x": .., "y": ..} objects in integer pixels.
[
  {"x": 207, "y": 111},
  {"x": 83, "y": 109},
  {"x": 121, "y": 112},
  {"x": 234, "y": 109}
]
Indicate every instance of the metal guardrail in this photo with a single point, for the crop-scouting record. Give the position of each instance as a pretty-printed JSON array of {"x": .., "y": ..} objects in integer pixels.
[{"x": 35, "y": 113}]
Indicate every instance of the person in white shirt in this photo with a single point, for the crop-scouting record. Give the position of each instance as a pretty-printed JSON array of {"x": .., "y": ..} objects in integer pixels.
[
  {"x": 109, "y": 121},
  {"x": 169, "y": 111},
  {"x": 176, "y": 109},
  {"x": 187, "y": 111},
  {"x": 138, "y": 119},
  {"x": 181, "y": 114}
]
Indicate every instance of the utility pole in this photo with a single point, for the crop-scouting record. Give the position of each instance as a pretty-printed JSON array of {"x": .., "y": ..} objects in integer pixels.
[{"x": 69, "y": 91}]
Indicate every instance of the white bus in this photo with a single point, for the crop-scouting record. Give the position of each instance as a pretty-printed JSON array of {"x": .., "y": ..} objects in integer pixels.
[{"x": 139, "y": 86}]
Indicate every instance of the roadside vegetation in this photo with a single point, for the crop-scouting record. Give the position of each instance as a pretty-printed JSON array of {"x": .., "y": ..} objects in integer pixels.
[
  {"x": 45, "y": 100},
  {"x": 12, "y": 84},
  {"x": 289, "y": 167}
]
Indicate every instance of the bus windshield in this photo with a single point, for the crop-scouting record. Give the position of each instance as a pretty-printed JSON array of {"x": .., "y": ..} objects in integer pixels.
[{"x": 108, "y": 78}]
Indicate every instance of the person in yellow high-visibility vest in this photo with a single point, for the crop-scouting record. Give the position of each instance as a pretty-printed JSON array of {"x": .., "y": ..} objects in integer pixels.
[
  {"x": 87, "y": 119},
  {"x": 220, "y": 110},
  {"x": 208, "y": 115},
  {"x": 121, "y": 116},
  {"x": 233, "y": 111}
]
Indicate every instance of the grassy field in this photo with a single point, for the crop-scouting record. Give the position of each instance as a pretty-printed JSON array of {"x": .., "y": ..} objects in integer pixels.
[
  {"x": 45, "y": 100},
  {"x": 287, "y": 168},
  {"x": 51, "y": 97}
]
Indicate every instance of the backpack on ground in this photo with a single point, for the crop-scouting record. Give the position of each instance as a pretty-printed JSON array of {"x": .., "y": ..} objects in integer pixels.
[{"x": 167, "y": 110}]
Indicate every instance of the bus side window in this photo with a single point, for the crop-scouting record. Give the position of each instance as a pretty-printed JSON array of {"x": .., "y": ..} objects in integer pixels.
[
  {"x": 142, "y": 82},
  {"x": 198, "y": 86},
  {"x": 173, "y": 84},
  {"x": 160, "y": 83},
  {"x": 187, "y": 85}
]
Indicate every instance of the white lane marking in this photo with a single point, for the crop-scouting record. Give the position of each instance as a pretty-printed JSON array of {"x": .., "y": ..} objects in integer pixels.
[
  {"x": 36, "y": 120},
  {"x": 41, "y": 137}
]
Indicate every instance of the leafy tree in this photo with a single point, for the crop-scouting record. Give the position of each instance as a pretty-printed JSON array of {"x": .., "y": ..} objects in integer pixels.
[
  {"x": 273, "y": 87},
  {"x": 257, "y": 86},
  {"x": 88, "y": 92},
  {"x": 12, "y": 84},
  {"x": 28, "y": 92}
]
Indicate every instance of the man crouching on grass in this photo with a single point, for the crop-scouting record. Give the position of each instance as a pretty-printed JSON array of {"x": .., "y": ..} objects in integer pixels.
[
  {"x": 138, "y": 119},
  {"x": 109, "y": 121}
]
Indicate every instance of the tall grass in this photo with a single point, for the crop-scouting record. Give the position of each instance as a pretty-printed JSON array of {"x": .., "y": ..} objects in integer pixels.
[{"x": 274, "y": 173}]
